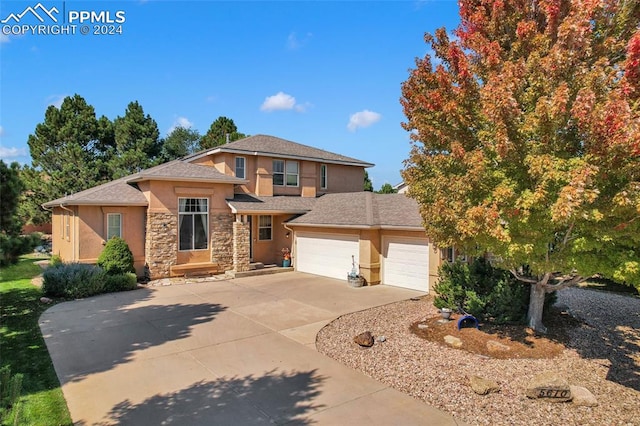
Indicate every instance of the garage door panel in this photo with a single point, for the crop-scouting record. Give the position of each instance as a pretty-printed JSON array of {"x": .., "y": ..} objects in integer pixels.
[
  {"x": 328, "y": 255},
  {"x": 405, "y": 263}
]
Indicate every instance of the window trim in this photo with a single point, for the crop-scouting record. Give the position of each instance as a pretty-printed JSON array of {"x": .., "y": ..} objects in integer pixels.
[
  {"x": 324, "y": 181},
  {"x": 119, "y": 225},
  {"x": 193, "y": 214},
  {"x": 67, "y": 225},
  {"x": 270, "y": 227},
  {"x": 244, "y": 167}
]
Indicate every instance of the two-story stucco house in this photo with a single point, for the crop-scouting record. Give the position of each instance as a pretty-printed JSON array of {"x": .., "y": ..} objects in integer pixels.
[{"x": 241, "y": 203}]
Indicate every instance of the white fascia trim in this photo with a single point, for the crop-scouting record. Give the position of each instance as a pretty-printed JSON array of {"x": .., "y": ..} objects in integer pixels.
[
  {"x": 381, "y": 227},
  {"x": 188, "y": 179}
]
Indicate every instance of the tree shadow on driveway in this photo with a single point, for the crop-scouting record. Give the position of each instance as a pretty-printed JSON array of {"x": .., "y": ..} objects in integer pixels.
[
  {"x": 91, "y": 336},
  {"x": 273, "y": 398}
]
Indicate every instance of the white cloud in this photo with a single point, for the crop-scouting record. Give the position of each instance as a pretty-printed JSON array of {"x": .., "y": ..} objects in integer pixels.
[
  {"x": 294, "y": 42},
  {"x": 12, "y": 152},
  {"x": 55, "y": 100},
  {"x": 279, "y": 101},
  {"x": 180, "y": 122},
  {"x": 362, "y": 119}
]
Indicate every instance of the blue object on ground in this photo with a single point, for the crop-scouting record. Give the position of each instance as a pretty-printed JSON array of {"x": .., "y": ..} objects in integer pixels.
[{"x": 466, "y": 318}]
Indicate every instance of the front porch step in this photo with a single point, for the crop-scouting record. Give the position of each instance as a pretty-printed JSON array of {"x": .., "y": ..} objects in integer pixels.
[
  {"x": 265, "y": 271},
  {"x": 195, "y": 269}
]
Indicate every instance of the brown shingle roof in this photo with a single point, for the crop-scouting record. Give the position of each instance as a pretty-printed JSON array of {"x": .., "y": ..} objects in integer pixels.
[
  {"x": 114, "y": 193},
  {"x": 363, "y": 209},
  {"x": 123, "y": 191},
  {"x": 245, "y": 203},
  {"x": 183, "y": 171},
  {"x": 277, "y": 147}
]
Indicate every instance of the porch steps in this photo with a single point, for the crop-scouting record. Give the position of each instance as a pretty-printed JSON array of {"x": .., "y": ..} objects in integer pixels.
[
  {"x": 264, "y": 271},
  {"x": 195, "y": 269}
]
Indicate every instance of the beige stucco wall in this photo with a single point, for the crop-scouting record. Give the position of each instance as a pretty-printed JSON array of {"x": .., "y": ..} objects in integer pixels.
[
  {"x": 259, "y": 173},
  {"x": 88, "y": 233},
  {"x": 270, "y": 252}
]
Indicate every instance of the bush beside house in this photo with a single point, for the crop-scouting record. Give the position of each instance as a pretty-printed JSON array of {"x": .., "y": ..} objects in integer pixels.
[{"x": 75, "y": 280}]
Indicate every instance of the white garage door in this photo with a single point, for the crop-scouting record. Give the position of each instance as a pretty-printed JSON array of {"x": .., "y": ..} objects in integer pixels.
[
  {"x": 405, "y": 262},
  {"x": 328, "y": 255}
]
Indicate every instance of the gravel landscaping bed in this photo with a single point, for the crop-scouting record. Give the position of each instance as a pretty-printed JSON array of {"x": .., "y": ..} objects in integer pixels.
[{"x": 602, "y": 355}]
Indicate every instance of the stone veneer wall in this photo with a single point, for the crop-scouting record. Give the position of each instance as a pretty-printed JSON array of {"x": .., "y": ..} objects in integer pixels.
[
  {"x": 222, "y": 240},
  {"x": 241, "y": 247},
  {"x": 161, "y": 245}
]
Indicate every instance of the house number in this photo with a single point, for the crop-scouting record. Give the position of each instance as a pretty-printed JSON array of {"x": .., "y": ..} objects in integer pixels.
[{"x": 553, "y": 393}]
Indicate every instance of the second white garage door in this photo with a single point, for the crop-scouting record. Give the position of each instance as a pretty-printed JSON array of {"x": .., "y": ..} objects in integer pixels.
[
  {"x": 405, "y": 262},
  {"x": 328, "y": 255}
]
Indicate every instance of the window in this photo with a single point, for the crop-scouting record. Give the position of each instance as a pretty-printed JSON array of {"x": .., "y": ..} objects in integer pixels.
[
  {"x": 193, "y": 217},
  {"x": 67, "y": 225},
  {"x": 264, "y": 228},
  {"x": 449, "y": 254},
  {"x": 288, "y": 169},
  {"x": 323, "y": 176},
  {"x": 114, "y": 225},
  {"x": 278, "y": 172},
  {"x": 292, "y": 173},
  {"x": 240, "y": 169}
]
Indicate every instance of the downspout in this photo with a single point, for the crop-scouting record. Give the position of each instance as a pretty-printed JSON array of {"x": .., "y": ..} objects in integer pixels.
[
  {"x": 73, "y": 238},
  {"x": 293, "y": 247}
]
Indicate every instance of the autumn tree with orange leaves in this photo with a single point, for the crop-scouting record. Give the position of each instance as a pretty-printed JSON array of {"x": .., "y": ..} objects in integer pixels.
[{"x": 525, "y": 132}]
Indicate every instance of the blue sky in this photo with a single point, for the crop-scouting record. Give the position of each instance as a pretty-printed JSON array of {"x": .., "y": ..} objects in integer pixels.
[{"x": 322, "y": 73}]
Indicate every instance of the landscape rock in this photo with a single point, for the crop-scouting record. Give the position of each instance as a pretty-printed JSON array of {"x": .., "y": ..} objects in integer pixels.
[
  {"x": 45, "y": 300},
  {"x": 483, "y": 386},
  {"x": 495, "y": 346},
  {"x": 583, "y": 397},
  {"x": 423, "y": 326},
  {"x": 381, "y": 339},
  {"x": 364, "y": 339},
  {"x": 452, "y": 341},
  {"x": 549, "y": 386}
]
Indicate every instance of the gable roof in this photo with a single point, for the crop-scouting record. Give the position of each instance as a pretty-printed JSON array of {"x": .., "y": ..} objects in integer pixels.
[
  {"x": 124, "y": 191},
  {"x": 363, "y": 210},
  {"x": 276, "y": 147},
  {"x": 253, "y": 204}
]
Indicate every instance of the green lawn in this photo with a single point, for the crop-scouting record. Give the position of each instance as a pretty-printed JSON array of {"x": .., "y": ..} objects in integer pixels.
[{"x": 23, "y": 349}]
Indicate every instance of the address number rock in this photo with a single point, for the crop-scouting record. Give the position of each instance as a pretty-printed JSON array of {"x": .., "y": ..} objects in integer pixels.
[{"x": 550, "y": 387}]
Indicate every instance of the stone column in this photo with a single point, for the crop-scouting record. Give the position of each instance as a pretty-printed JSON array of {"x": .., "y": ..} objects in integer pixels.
[
  {"x": 222, "y": 240},
  {"x": 241, "y": 246},
  {"x": 161, "y": 244}
]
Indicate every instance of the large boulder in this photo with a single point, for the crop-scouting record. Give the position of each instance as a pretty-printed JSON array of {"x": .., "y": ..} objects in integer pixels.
[
  {"x": 452, "y": 341},
  {"x": 483, "y": 386},
  {"x": 549, "y": 386},
  {"x": 364, "y": 339}
]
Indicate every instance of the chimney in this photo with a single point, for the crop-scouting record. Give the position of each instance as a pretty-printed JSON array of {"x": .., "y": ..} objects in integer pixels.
[{"x": 228, "y": 136}]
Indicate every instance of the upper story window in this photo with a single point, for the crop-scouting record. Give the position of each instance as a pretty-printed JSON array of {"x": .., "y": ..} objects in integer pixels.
[
  {"x": 323, "y": 176},
  {"x": 193, "y": 223},
  {"x": 114, "y": 225},
  {"x": 286, "y": 173},
  {"x": 240, "y": 167}
]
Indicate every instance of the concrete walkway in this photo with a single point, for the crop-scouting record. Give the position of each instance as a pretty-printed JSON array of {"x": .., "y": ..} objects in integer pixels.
[{"x": 237, "y": 352}]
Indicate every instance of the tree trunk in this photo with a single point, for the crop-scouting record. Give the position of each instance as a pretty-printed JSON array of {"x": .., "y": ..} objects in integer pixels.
[{"x": 536, "y": 307}]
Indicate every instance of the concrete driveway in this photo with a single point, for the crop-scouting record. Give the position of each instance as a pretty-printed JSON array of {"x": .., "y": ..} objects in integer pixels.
[{"x": 237, "y": 352}]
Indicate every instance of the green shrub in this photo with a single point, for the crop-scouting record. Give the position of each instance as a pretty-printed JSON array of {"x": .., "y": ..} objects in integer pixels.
[
  {"x": 483, "y": 291},
  {"x": 73, "y": 280},
  {"x": 12, "y": 247},
  {"x": 55, "y": 260},
  {"x": 116, "y": 257},
  {"x": 120, "y": 282}
]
